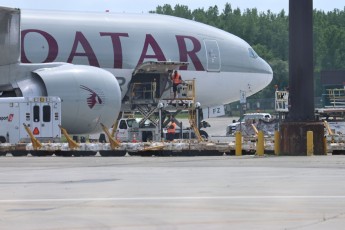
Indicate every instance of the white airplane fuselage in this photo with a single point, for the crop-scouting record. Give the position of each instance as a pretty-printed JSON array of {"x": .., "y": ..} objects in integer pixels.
[
  {"x": 221, "y": 63},
  {"x": 90, "y": 61}
]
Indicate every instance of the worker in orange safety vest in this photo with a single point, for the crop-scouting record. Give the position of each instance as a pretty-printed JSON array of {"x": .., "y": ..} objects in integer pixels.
[
  {"x": 171, "y": 131},
  {"x": 176, "y": 79}
]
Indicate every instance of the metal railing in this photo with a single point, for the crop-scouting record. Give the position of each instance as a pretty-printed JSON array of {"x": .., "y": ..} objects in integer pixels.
[
  {"x": 143, "y": 91},
  {"x": 335, "y": 98}
]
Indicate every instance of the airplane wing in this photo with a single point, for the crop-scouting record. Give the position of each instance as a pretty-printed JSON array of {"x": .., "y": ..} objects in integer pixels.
[
  {"x": 158, "y": 67},
  {"x": 9, "y": 36}
]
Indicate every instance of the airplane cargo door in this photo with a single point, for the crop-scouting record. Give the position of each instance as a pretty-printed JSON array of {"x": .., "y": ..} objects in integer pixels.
[{"x": 212, "y": 55}]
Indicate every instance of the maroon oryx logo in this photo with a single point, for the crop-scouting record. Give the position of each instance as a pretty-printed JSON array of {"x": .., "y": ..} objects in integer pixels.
[{"x": 94, "y": 97}]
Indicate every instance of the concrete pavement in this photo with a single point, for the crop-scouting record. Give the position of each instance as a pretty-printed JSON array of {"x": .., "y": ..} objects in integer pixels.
[{"x": 225, "y": 192}]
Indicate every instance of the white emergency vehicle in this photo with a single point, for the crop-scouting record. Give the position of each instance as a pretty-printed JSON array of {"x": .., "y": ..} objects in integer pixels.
[{"x": 41, "y": 114}]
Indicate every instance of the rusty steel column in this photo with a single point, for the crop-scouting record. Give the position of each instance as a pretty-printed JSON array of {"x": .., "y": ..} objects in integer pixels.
[{"x": 300, "y": 118}]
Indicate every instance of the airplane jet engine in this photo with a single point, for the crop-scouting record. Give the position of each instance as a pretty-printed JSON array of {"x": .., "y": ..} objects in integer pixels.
[{"x": 89, "y": 96}]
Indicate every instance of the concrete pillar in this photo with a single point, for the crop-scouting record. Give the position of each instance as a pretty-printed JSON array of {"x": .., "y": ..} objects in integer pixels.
[
  {"x": 301, "y": 80},
  {"x": 300, "y": 118},
  {"x": 294, "y": 138}
]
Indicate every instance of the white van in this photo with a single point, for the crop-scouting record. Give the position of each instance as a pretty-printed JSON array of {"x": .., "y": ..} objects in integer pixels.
[
  {"x": 231, "y": 129},
  {"x": 41, "y": 114}
]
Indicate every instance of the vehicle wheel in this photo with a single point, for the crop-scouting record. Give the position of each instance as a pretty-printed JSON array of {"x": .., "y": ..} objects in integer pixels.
[
  {"x": 203, "y": 134},
  {"x": 19, "y": 153},
  {"x": 2, "y": 139}
]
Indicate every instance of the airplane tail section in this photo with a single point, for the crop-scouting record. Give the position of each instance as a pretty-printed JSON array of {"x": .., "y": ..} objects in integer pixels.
[{"x": 9, "y": 36}]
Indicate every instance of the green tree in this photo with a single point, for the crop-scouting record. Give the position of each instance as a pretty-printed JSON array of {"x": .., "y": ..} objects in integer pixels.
[
  {"x": 212, "y": 15},
  {"x": 166, "y": 9},
  {"x": 182, "y": 11},
  {"x": 199, "y": 15}
]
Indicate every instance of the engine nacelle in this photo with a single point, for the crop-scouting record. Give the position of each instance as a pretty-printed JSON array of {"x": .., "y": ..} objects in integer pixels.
[{"x": 89, "y": 96}]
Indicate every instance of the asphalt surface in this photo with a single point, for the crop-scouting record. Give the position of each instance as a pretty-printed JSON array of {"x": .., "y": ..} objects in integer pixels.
[{"x": 224, "y": 192}]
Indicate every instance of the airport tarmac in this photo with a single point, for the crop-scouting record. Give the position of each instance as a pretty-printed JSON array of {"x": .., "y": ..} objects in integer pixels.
[
  {"x": 220, "y": 192},
  {"x": 224, "y": 192}
]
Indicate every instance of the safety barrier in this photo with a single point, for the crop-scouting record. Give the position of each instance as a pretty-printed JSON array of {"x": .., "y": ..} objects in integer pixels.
[{"x": 258, "y": 145}]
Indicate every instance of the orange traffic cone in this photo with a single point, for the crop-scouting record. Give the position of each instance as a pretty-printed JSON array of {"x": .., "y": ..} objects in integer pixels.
[{"x": 134, "y": 140}]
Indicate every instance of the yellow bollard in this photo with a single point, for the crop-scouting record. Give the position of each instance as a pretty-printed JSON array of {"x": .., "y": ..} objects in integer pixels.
[
  {"x": 276, "y": 142},
  {"x": 310, "y": 143},
  {"x": 238, "y": 144},
  {"x": 260, "y": 148}
]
